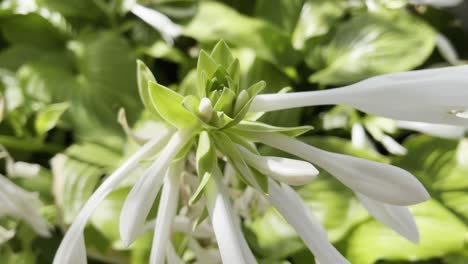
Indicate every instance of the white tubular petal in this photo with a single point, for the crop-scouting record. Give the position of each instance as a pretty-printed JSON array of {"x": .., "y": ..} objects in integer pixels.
[
  {"x": 166, "y": 213},
  {"x": 296, "y": 213},
  {"x": 392, "y": 146},
  {"x": 21, "y": 204},
  {"x": 231, "y": 242},
  {"x": 442, "y": 96},
  {"x": 169, "y": 30},
  {"x": 172, "y": 257},
  {"x": 71, "y": 241},
  {"x": 399, "y": 218},
  {"x": 443, "y": 131},
  {"x": 437, "y": 3},
  {"x": 447, "y": 50},
  {"x": 140, "y": 199},
  {"x": 290, "y": 171},
  {"x": 381, "y": 182},
  {"x": 6, "y": 234}
]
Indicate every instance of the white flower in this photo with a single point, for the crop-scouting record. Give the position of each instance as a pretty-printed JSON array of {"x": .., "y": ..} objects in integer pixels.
[
  {"x": 231, "y": 242},
  {"x": 222, "y": 133},
  {"x": 382, "y": 182},
  {"x": 447, "y": 50},
  {"x": 72, "y": 248},
  {"x": 169, "y": 30},
  {"x": 411, "y": 96},
  {"x": 18, "y": 203},
  {"x": 437, "y": 3},
  {"x": 443, "y": 131}
]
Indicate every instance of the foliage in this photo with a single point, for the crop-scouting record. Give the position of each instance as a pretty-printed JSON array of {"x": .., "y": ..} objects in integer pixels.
[{"x": 67, "y": 67}]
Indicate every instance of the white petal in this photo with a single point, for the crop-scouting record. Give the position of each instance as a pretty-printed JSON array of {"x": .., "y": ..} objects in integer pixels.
[
  {"x": 71, "y": 242},
  {"x": 443, "y": 131},
  {"x": 21, "y": 204},
  {"x": 296, "y": 213},
  {"x": 392, "y": 146},
  {"x": 437, "y": 3},
  {"x": 447, "y": 50},
  {"x": 399, "y": 218},
  {"x": 166, "y": 213},
  {"x": 172, "y": 257},
  {"x": 140, "y": 199},
  {"x": 231, "y": 242},
  {"x": 290, "y": 171},
  {"x": 169, "y": 30},
  {"x": 382, "y": 182},
  {"x": 6, "y": 234},
  {"x": 442, "y": 96}
]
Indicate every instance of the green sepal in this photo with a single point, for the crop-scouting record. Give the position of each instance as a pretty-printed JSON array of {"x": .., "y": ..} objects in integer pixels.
[
  {"x": 200, "y": 218},
  {"x": 225, "y": 101},
  {"x": 221, "y": 54},
  {"x": 252, "y": 91},
  {"x": 205, "y": 66},
  {"x": 205, "y": 155},
  {"x": 229, "y": 148},
  {"x": 197, "y": 195},
  {"x": 144, "y": 76},
  {"x": 168, "y": 103},
  {"x": 234, "y": 73},
  {"x": 249, "y": 126}
]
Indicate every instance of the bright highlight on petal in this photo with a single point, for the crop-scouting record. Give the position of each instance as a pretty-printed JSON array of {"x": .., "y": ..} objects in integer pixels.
[
  {"x": 73, "y": 239},
  {"x": 390, "y": 95},
  {"x": 140, "y": 199},
  {"x": 169, "y": 30},
  {"x": 382, "y": 182},
  {"x": 443, "y": 131},
  {"x": 231, "y": 242},
  {"x": 293, "y": 209},
  {"x": 289, "y": 171},
  {"x": 399, "y": 218},
  {"x": 21, "y": 204},
  {"x": 166, "y": 213}
]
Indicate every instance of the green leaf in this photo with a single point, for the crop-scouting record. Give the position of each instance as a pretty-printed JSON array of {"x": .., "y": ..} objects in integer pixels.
[
  {"x": 32, "y": 29},
  {"x": 317, "y": 18},
  {"x": 169, "y": 106},
  {"x": 216, "y": 21},
  {"x": 206, "y": 67},
  {"x": 144, "y": 76},
  {"x": 197, "y": 195},
  {"x": 249, "y": 126},
  {"x": 282, "y": 13},
  {"x": 222, "y": 55},
  {"x": 370, "y": 45},
  {"x": 48, "y": 117},
  {"x": 206, "y": 155},
  {"x": 229, "y": 148},
  {"x": 79, "y": 180},
  {"x": 440, "y": 231}
]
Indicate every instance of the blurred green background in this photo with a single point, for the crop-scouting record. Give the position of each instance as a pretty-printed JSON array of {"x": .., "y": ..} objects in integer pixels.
[{"x": 67, "y": 67}]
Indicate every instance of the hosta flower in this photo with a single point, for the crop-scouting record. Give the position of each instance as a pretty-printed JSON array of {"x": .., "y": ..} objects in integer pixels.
[
  {"x": 168, "y": 29},
  {"x": 218, "y": 123}
]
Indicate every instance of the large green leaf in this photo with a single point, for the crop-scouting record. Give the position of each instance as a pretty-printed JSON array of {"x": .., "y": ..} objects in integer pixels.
[
  {"x": 441, "y": 233},
  {"x": 74, "y": 182},
  {"x": 370, "y": 45},
  {"x": 104, "y": 81},
  {"x": 281, "y": 13},
  {"x": 216, "y": 21},
  {"x": 317, "y": 18}
]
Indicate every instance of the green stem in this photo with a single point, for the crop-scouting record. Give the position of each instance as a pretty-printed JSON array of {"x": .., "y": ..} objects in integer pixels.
[{"x": 28, "y": 145}]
